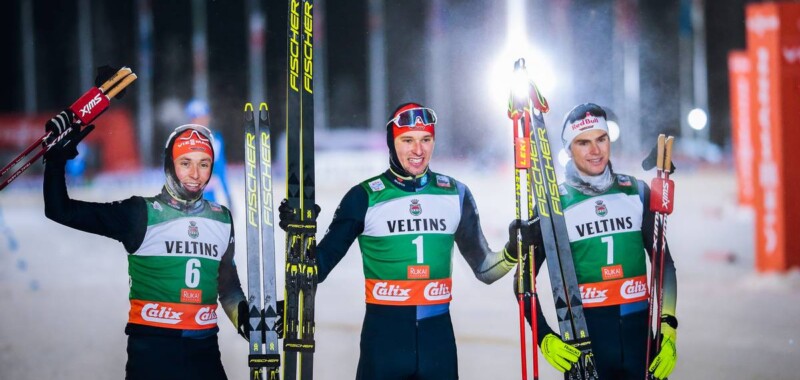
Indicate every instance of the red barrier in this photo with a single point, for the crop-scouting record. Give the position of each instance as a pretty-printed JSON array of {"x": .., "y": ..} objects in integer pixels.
[
  {"x": 773, "y": 40},
  {"x": 113, "y": 139},
  {"x": 739, "y": 70}
]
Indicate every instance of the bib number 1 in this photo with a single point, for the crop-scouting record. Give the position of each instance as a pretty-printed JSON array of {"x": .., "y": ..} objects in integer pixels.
[{"x": 420, "y": 254}]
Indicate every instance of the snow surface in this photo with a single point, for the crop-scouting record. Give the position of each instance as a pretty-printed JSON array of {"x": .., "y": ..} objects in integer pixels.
[{"x": 64, "y": 292}]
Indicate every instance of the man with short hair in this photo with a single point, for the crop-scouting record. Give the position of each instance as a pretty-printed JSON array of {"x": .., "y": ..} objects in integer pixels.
[
  {"x": 611, "y": 233},
  {"x": 407, "y": 221},
  {"x": 180, "y": 257}
]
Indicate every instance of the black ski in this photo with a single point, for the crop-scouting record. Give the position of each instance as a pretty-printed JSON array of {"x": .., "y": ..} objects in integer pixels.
[
  {"x": 308, "y": 286},
  {"x": 566, "y": 293},
  {"x": 301, "y": 269},
  {"x": 264, "y": 358}
]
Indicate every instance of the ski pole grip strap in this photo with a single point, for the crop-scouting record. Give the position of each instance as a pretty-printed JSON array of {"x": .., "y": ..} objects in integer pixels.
[
  {"x": 302, "y": 227},
  {"x": 670, "y": 320},
  {"x": 89, "y": 106},
  {"x": 662, "y": 194}
]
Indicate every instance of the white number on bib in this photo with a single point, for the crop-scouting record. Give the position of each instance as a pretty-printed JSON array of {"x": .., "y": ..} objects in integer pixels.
[{"x": 193, "y": 273}]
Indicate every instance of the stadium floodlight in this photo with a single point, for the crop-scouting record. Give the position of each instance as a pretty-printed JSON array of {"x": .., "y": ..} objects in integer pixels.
[
  {"x": 502, "y": 74},
  {"x": 613, "y": 130},
  {"x": 698, "y": 119}
]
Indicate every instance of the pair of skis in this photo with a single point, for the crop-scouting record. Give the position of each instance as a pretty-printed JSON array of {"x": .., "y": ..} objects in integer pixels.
[
  {"x": 535, "y": 156},
  {"x": 301, "y": 267},
  {"x": 87, "y": 108},
  {"x": 264, "y": 357},
  {"x": 662, "y": 193}
]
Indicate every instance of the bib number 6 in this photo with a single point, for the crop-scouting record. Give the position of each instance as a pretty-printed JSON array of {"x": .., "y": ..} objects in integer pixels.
[{"x": 193, "y": 273}]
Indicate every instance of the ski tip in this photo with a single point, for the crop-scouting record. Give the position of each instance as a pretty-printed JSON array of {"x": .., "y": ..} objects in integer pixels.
[
  {"x": 539, "y": 101},
  {"x": 263, "y": 107},
  {"x": 248, "y": 106}
]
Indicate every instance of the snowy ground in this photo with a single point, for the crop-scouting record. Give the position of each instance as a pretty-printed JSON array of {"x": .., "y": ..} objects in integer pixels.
[{"x": 64, "y": 293}]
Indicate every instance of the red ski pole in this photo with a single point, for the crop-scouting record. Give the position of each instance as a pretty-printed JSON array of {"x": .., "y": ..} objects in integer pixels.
[
  {"x": 661, "y": 203},
  {"x": 87, "y": 108},
  {"x": 521, "y": 162}
]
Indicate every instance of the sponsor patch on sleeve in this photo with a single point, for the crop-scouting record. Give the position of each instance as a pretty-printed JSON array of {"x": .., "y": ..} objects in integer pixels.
[
  {"x": 215, "y": 206},
  {"x": 376, "y": 185},
  {"x": 624, "y": 180},
  {"x": 442, "y": 181}
]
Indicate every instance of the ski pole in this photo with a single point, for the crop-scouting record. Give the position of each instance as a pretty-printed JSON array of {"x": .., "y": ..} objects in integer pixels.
[
  {"x": 667, "y": 192},
  {"x": 531, "y": 290},
  {"x": 654, "y": 252},
  {"x": 87, "y": 108},
  {"x": 521, "y": 162},
  {"x": 519, "y": 112},
  {"x": 661, "y": 203}
]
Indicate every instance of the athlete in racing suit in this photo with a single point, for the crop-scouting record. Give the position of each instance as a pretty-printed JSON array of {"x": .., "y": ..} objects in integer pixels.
[
  {"x": 610, "y": 228},
  {"x": 180, "y": 258},
  {"x": 407, "y": 221}
]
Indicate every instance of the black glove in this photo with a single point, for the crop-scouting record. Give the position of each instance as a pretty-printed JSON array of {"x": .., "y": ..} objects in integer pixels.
[
  {"x": 66, "y": 148},
  {"x": 288, "y": 215},
  {"x": 649, "y": 162},
  {"x": 105, "y": 73},
  {"x": 243, "y": 322},
  {"x": 57, "y": 125},
  {"x": 530, "y": 232}
]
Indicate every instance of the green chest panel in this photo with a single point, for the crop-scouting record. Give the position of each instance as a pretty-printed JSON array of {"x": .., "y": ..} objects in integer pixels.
[
  {"x": 409, "y": 235},
  {"x": 605, "y": 232},
  {"x": 180, "y": 255}
]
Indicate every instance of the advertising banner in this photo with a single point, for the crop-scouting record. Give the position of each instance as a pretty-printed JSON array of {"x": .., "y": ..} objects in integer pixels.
[{"x": 773, "y": 45}]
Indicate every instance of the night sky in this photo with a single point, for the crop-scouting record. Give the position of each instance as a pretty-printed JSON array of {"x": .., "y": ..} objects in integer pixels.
[{"x": 345, "y": 38}]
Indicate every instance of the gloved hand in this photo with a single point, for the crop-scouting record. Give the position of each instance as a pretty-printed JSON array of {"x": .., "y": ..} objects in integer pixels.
[
  {"x": 559, "y": 354},
  {"x": 530, "y": 232},
  {"x": 667, "y": 356},
  {"x": 288, "y": 215},
  {"x": 67, "y": 147},
  {"x": 58, "y": 125},
  {"x": 243, "y": 320}
]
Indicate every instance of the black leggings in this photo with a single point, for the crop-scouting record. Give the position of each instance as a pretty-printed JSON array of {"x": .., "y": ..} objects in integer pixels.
[
  {"x": 395, "y": 346},
  {"x": 154, "y": 357}
]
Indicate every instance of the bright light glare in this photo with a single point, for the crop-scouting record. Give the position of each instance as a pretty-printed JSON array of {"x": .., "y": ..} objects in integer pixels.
[
  {"x": 563, "y": 158},
  {"x": 502, "y": 80},
  {"x": 697, "y": 119},
  {"x": 613, "y": 130},
  {"x": 520, "y": 84}
]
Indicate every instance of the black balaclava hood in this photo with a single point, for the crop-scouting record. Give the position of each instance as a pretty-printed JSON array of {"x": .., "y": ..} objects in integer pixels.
[
  {"x": 394, "y": 161},
  {"x": 172, "y": 184}
]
